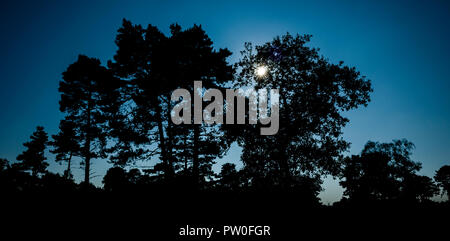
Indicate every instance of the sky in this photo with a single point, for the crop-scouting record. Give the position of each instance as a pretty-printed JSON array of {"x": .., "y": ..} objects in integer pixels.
[{"x": 402, "y": 46}]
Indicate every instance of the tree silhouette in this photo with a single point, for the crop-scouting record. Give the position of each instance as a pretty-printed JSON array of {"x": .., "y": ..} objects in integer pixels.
[
  {"x": 123, "y": 113},
  {"x": 384, "y": 171},
  {"x": 115, "y": 180},
  {"x": 418, "y": 188},
  {"x": 312, "y": 95},
  {"x": 152, "y": 66},
  {"x": 4, "y": 164},
  {"x": 4, "y": 179},
  {"x": 66, "y": 144},
  {"x": 442, "y": 177},
  {"x": 33, "y": 158},
  {"x": 229, "y": 178},
  {"x": 195, "y": 59},
  {"x": 140, "y": 62},
  {"x": 88, "y": 91},
  {"x": 119, "y": 180}
]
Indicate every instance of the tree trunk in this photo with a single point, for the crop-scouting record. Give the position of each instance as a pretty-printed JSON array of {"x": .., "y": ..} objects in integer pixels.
[
  {"x": 185, "y": 151},
  {"x": 195, "y": 161},
  {"x": 87, "y": 161},
  {"x": 68, "y": 166},
  {"x": 169, "y": 139},
  {"x": 284, "y": 143},
  {"x": 87, "y": 146},
  {"x": 162, "y": 143}
]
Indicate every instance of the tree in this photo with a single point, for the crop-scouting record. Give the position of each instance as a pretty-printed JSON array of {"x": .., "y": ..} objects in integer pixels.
[
  {"x": 229, "y": 178},
  {"x": 4, "y": 179},
  {"x": 442, "y": 177},
  {"x": 33, "y": 158},
  {"x": 66, "y": 144},
  {"x": 139, "y": 62},
  {"x": 383, "y": 171},
  {"x": 195, "y": 59},
  {"x": 88, "y": 95},
  {"x": 151, "y": 66},
  {"x": 115, "y": 180},
  {"x": 313, "y": 93},
  {"x": 119, "y": 180},
  {"x": 4, "y": 165},
  {"x": 418, "y": 188}
]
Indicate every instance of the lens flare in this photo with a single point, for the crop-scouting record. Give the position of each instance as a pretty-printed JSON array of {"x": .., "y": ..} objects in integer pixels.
[{"x": 261, "y": 71}]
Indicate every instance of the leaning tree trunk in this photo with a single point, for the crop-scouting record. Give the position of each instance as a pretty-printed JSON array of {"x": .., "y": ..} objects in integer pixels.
[{"x": 68, "y": 175}]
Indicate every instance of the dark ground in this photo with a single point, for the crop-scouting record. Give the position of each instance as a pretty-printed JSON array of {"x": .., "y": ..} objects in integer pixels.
[{"x": 100, "y": 216}]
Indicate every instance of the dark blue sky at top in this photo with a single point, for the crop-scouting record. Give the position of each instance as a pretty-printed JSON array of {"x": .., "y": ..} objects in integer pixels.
[{"x": 403, "y": 47}]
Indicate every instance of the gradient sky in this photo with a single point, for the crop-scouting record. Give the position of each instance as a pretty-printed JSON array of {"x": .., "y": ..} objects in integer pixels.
[{"x": 402, "y": 47}]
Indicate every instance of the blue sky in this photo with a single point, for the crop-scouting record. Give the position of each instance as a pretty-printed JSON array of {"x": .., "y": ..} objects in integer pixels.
[{"x": 403, "y": 47}]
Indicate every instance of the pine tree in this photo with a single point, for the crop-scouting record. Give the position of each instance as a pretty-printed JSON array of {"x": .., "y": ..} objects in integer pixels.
[
  {"x": 33, "y": 158},
  {"x": 88, "y": 97},
  {"x": 66, "y": 144},
  {"x": 152, "y": 66}
]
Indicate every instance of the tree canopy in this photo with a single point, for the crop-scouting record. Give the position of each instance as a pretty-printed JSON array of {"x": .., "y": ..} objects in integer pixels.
[
  {"x": 123, "y": 113},
  {"x": 385, "y": 171},
  {"x": 313, "y": 94},
  {"x": 33, "y": 158}
]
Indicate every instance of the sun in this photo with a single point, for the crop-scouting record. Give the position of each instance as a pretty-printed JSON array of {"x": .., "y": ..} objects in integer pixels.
[{"x": 261, "y": 71}]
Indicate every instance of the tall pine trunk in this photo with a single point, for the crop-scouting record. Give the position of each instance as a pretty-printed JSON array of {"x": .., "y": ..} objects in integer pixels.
[
  {"x": 87, "y": 146},
  {"x": 68, "y": 165},
  {"x": 284, "y": 143},
  {"x": 162, "y": 143},
  {"x": 170, "y": 160},
  {"x": 195, "y": 161}
]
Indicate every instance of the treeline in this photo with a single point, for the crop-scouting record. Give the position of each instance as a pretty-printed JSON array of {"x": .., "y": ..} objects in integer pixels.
[{"x": 121, "y": 112}]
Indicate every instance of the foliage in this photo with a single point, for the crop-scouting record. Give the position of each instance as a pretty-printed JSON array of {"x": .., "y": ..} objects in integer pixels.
[
  {"x": 442, "y": 177},
  {"x": 88, "y": 97},
  {"x": 313, "y": 93},
  {"x": 33, "y": 158},
  {"x": 385, "y": 171}
]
